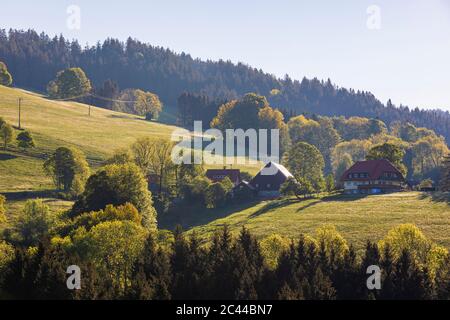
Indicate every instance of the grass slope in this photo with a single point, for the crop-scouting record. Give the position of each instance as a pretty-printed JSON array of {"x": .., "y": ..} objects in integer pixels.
[
  {"x": 357, "y": 218},
  {"x": 54, "y": 124}
]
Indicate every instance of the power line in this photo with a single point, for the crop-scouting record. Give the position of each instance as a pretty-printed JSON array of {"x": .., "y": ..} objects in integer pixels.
[
  {"x": 97, "y": 97},
  {"x": 111, "y": 100}
]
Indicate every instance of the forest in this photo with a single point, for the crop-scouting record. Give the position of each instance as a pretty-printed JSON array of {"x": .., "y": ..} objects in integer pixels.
[{"x": 34, "y": 59}]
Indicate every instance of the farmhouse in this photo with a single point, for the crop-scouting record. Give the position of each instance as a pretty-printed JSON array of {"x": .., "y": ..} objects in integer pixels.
[
  {"x": 372, "y": 177},
  {"x": 217, "y": 175},
  {"x": 268, "y": 181}
]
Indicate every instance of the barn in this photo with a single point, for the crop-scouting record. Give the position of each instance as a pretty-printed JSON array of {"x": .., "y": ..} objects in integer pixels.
[{"x": 268, "y": 181}]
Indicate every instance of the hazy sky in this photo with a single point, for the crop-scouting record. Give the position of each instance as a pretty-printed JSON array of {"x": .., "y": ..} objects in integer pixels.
[{"x": 406, "y": 59}]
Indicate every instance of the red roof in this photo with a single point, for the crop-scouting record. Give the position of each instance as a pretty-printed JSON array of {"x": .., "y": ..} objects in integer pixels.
[
  {"x": 374, "y": 168},
  {"x": 217, "y": 175}
]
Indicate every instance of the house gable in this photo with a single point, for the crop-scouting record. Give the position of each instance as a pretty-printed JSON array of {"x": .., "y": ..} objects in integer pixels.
[
  {"x": 372, "y": 170},
  {"x": 271, "y": 183}
]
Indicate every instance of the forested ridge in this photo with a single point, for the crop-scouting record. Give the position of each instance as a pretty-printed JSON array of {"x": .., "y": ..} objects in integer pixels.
[{"x": 34, "y": 59}]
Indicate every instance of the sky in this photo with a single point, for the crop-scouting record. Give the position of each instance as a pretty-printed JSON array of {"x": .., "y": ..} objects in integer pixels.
[{"x": 397, "y": 49}]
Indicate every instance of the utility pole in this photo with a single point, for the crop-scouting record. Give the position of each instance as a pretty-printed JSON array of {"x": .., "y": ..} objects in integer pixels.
[
  {"x": 20, "y": 107},
  {"x": 89, "y": 110}
]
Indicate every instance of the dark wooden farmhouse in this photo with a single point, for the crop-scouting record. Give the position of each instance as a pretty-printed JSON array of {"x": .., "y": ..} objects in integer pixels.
[
  {"x": 373, "y": 177},
  {"x": 268, "y": 181}
]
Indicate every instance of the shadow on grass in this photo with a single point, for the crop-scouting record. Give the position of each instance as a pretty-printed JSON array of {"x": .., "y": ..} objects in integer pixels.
[
  {"x": 127, "y": 116},
  {"x": 7, "y": 156},
  {"x": 344, "y": 197},
  {"x": 24, "y": 195},
  {"x": 306, "y": 202},
  {"x": 443, "y": 197},
  {"x": 277, "y": 204},
  {"x": 189, "y": 217}
]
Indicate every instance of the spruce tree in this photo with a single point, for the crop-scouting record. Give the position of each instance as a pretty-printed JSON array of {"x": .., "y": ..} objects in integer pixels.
[
  {"x": 371, "y": 258},
  {"x": 151, "y": 274},
  {"x": 248, "y": 265},
  {"x": 387, "y": 267},
  {"x": 51, "y": 276},
  {"x": 219, "y": 257},
  {"x": 179, "y": 262},
  {"x": 407, "y": 278},
  {"x": 347, "y": 278}
]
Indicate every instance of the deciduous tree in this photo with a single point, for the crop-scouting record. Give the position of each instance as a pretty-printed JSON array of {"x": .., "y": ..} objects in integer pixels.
[
  {"x": 390, "y": 152},
  {"x": 5, "y": 76},
  {"x": 68, "y": 168},
  {"x": 34, "y": 223},
  {"x": 69, "y": 83},
  {"x": 6, "y": 133},
  {"x": 306, "y": 162},
  {"x": 117, "y": 185}
]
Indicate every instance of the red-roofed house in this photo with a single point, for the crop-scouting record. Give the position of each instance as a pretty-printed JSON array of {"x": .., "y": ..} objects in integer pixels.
[
  {"x": 372, "y": 177},
  {"x": 217, "y": 175}
]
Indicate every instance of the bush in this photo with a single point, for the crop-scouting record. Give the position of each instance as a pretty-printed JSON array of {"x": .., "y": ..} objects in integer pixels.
[{"x": 25, "y": 140}]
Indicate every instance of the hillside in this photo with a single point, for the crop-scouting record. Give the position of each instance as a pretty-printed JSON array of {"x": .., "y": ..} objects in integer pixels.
[
  {"x": 358, "y": 218},
  {"x": 54, "y": 124},
  {"x": 35, "y": 59}
]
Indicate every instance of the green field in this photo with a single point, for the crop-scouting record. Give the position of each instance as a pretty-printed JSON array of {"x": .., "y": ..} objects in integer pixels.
[{"x": 357, "y": 218}]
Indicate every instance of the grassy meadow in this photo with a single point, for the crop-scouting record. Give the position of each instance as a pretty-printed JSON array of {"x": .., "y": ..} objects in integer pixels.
[
  {"x": 358, "y": 219},
  {"x": 54, "y": 124}
]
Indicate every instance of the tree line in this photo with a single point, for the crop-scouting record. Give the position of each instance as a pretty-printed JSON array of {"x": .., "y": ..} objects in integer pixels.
[
  {"x": 120, "y": 262},
  {"x": 331, "y": 145},
  {"x": 34, "y": 59}
]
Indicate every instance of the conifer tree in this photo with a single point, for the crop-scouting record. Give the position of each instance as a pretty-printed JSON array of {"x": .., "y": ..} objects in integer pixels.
[
  {"x": 151, "y": 273},
  {"x": 94, "y": 286},
  {"x": 407, "y": 278},
  {"x": 443, "y": 281},
  {"x": 50, "y": 281},
  {"x": 387, "y": 266},
  {"x": 221, "y": 283},
  {"x": 347, "y": 278},
  {"x": 19, "y": 281},
  {"x": 371, "y": 258},
  {"x": 248, "y": 265}
]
